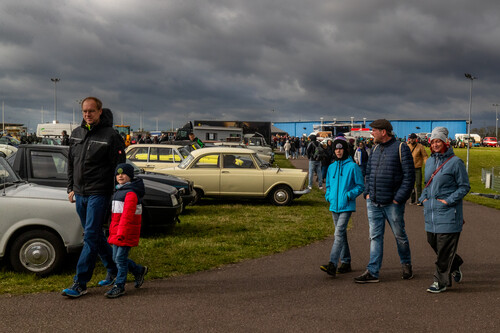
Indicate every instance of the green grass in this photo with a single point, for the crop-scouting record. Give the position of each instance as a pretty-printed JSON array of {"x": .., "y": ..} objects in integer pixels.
[{"x": 211, "y": 234}]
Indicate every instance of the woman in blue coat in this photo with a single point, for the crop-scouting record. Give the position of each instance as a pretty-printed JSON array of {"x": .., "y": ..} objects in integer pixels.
[
  {"x": 447, "y": 183},
  {"x": 344, "y": 182}
]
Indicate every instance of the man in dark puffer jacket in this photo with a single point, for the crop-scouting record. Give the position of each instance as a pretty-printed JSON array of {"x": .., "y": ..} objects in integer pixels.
[
  {"x": 95, "y": 150},
  {"x": 390, "y": 176}
]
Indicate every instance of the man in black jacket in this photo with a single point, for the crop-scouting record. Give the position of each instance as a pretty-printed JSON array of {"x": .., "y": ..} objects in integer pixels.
[
  {"x": 95, "y": 150},
  {"x": 390, "y": 175}
]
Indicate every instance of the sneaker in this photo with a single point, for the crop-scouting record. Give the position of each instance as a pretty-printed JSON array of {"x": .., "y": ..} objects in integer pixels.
[
  {"x": 435, "y": 288},
  {"x": 310, "y": 187},
  {"x": 139, "y": 279},
  {"x": 321, "y": 187},
  {"x": 330, "y": 268},
  {"x": 344, "y": 268},
  {"x": 407, "y": 272},
  {"x": 108, "y": 281},
  {"x": 75, "y": 291},
  {"x": 115, "y": 292},
  {"x": 366, "y": 277},
  {"x": 457, "y": 275}
]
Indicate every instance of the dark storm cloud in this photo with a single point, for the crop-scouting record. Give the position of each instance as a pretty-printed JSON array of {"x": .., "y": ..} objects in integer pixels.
[{"x": 179, "y": 60}]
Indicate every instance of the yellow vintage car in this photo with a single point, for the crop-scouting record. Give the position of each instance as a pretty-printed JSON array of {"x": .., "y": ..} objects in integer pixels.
[
  {"x": 151, "y": 156},
  {"x": 239, "y": 172}
]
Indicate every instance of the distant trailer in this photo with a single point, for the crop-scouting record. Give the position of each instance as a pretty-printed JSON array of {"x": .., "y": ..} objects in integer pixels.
[{"x": 53, "y": 130}]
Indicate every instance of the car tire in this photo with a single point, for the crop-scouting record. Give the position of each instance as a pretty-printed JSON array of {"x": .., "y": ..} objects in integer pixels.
[
  {"x": 37, "y": 251},
  {"x": 281, "y": 195}
]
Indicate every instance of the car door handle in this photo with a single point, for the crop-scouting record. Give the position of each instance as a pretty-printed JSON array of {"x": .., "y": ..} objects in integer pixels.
[{"x": 225, "y": 171}]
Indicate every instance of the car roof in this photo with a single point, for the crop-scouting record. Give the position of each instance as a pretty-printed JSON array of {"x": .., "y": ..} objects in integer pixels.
[
  {"x": 219, "y": 149},
  {"x": 161, "y": 145}
]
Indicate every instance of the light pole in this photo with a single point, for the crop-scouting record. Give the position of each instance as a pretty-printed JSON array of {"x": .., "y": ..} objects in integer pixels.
[
  {"x": 55, "y": 80},
  {"x": 471, "y": 78},
  {"x": 496, "y": 120}
]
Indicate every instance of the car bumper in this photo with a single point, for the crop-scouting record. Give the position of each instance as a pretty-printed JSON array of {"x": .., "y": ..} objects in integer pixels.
[
  {"x": 158, "y": 217},
  {"x": 299, "y": 193},
  {"x": 188, "y": 198}
]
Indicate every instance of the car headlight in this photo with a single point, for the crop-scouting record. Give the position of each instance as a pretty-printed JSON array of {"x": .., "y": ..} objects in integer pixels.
[{"x": 174, "y": 200}]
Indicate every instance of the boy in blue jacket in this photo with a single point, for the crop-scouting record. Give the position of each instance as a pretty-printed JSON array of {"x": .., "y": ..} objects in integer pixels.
[{"x": 344, "y": 182}]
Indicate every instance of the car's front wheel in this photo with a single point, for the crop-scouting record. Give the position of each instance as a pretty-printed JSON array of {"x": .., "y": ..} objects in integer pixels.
[
  {"x": 281, "y": 195},
  {"x": 37, "y": 251}
]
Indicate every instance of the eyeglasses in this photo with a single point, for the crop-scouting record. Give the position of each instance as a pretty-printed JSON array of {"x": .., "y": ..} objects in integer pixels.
[{"x": 89, "y": 111}]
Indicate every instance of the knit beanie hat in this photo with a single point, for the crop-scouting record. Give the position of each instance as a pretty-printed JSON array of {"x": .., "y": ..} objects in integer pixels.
[
  {"x": 341, "y": 143},
  {"x": 126, "y": 169},
  {"x": 440, "y": 133}
]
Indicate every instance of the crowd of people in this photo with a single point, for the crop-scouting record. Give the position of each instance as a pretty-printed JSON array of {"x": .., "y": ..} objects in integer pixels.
[
  {"x": 384, "y": 171},
  {"x": 388, "y": 175}
]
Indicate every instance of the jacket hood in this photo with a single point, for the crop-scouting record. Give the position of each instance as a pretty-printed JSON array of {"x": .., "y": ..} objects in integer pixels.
[
  {"x": 344, "y": 146},
  {"x": 106, "y": 119},
  {"x": 136, "y": 185}
]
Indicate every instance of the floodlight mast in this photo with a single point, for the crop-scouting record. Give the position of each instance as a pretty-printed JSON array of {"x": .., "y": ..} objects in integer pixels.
[{"x": 471, "y": 78}]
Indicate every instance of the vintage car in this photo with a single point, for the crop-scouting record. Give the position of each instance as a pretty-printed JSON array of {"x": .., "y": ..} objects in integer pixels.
[
  {"x": 7, "y": 150},
  {"x": 7, "y": 140},
  {"x": 48, "y": 165},
  {"x": 264, "y": 157},
  {"x": 239, "y": 172},
  {"x": 39, "y": 226},
  {"x": 155, "y": 155}
]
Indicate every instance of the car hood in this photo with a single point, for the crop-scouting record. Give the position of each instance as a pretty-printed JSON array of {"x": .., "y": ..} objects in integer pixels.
[{"x": 36, "y": 191}]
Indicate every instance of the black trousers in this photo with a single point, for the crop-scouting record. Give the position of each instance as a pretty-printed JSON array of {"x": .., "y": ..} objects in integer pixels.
[{"x": 448, "y": 261}]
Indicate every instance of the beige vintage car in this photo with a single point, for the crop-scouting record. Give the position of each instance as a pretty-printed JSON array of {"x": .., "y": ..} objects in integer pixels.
[
  {"x": 154, "y": 155},
  {"x": 239, "y": 172}
]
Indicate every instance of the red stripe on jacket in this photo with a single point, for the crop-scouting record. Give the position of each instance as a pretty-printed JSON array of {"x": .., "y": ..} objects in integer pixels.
[{"x": 125, "y": 227}]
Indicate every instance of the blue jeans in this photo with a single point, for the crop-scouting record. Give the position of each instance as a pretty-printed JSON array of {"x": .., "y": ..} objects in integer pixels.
[
  {"x": 315, "y": 166},
  {"x": 377, "y": 215},
  {"x": 92, "y": 210},
  {"x": 124, "y": 264},
  {"x": 340, "y": 247}
]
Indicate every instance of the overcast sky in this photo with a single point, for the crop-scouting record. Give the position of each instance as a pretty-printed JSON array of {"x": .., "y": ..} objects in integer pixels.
[{"x": 265, "y": 60}]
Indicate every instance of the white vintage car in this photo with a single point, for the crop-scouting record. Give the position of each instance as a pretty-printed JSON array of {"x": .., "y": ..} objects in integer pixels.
[
  {"x": 153, "y": 155},
  {"x": 239, "y": 172},
  {"x": 38, "y": 226}
]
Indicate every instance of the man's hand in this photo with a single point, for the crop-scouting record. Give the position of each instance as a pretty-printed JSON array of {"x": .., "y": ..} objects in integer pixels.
[
  {"x": 395, "y": 202},
  {"x": 443, "y": 201},
  {"x": 71, "y": 196}
]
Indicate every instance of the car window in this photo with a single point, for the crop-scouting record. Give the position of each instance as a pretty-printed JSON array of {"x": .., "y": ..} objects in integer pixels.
[
  {"x": 51, "y": 165},
  {"x": 139, "y": 154},
  {"x": 207, "y": 161},
  {"x": 163, "y": 155},
  {"x": 233, "y": 161}
]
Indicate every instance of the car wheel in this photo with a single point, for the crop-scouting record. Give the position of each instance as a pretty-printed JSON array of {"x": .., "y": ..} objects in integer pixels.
[
  {"x": 37, "y": 251},
  {"x": 281, "y": 195}
]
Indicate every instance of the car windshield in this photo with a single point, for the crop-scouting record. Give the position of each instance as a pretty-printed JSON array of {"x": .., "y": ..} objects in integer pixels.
[
  {"x": 184, "y": 152},
  {"x": 261, "y": 163},
  {"x": 186, "y": 161},
  {"x": 7, "y": 175}
]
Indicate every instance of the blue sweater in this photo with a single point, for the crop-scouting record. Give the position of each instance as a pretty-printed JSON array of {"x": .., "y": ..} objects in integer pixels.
[
  {"x": 389, "y": 175},
  {"x": 344, "y": 182},
  {"x": 450, "y": 184}
]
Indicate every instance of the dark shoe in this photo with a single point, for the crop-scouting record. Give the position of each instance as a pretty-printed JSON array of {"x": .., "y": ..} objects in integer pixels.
[
  {"x": 457, "y": 275},
  {"x": 115, "y": 292},
  {"x": 75, "y": 291},
  {"x": 407, "y": 272},
  {"x": 139, "y": 278},
  {"x": 344, "y": 268},
  {"x": 330, "y": 269},
  {"x": 435, "y": 288},
  {"x": 366, "y": 277}
]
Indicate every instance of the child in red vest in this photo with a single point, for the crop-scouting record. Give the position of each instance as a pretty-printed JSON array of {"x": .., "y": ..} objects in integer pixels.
[{"x": 125, "y": 227}]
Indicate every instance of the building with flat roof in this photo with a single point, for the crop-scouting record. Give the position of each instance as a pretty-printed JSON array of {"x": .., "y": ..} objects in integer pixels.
[{"x": 402, "y": 128}]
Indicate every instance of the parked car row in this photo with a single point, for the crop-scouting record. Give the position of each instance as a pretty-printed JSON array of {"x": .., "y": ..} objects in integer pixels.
[{"x": 41, "y": 226}]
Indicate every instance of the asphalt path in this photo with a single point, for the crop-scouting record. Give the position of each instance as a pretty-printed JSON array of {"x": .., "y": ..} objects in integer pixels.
[{"x": 287, "y": 292}]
